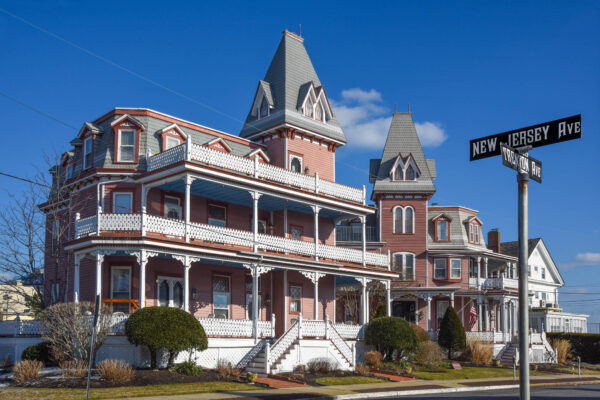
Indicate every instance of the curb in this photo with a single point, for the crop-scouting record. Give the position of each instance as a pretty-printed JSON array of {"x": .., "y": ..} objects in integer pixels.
[{"x": 420, "y": 391}]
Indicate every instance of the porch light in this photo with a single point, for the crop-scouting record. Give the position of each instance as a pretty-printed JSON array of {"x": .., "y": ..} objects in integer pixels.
[{"x": 306, "y": 170}]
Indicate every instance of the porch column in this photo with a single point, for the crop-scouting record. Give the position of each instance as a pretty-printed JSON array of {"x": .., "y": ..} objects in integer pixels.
[
  {"x": 285, "y": 301},
  {"x": 503, "y": 315},
  {"x": 363, "y": 222},
  {"x": 363, "y": 301},
  {"x": 479, "y": 314},
  {"x": 485, "y": 267},
  {"x": 388, "y": 298},
  {"x": 99, "y": 261},
  {"x": 255, "y": 198},
  {"x": 452, "y": 299},
  {"x": 428, "y": 299},
  {"x": 186, "y": 284},
  {"x": 314, "y": 277},
  {"x": 171, "y": 304},
  {"x": 143, "y": 260},
  {"x": 254, "y": 272},
  {"x": 316, "y": 210},
  {"x": 143, "y": 210},
  {"x": 76, "y": 279},
  {"x": 187, "y": 201},
  {"x": 478, "y": 263}
]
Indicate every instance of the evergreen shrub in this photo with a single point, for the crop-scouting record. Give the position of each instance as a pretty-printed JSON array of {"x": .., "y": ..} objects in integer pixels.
[
  {"x": 391, "y": 335},
  {"x": 452, "y": 333}
]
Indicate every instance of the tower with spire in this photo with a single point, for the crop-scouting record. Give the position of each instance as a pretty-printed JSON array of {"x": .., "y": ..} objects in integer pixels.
[{"x": 291, "y": 114}]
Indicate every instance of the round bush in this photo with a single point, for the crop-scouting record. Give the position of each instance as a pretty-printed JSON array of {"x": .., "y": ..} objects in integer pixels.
[
  {"x": 38, "y": 352},
  {"x": 389, "y": 335},
  {"x": 165, "y": 328},
  {"x": 422, "y": 335}
]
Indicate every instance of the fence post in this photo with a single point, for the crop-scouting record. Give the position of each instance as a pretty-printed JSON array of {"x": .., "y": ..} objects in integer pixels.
[
  {"x": 148, "y": 155},
  {"x": 364, "y": 195},
  {"x": 256, "y": 166},
  {"x": 300, "y": 326},
  {"x": 267, "y": 355},
  {"x": 326, "y": 326},
  {"x": 188, "y": 149}
]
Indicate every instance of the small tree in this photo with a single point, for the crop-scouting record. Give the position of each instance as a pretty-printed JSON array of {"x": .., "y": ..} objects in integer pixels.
[
  {"x": 165, "y": 328},
  {"x": 389, "y": 334},
  {"x": 452, "y": 333},
  {"x": 68, "y": 328}
]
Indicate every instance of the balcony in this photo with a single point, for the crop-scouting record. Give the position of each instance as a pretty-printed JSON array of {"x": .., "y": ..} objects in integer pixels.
[
  {"x": 354, "y": 234},
  {"x": 254, "y": 168},
  {"x": 136, "y": 223},
  {"x": 494, "y": 283}
]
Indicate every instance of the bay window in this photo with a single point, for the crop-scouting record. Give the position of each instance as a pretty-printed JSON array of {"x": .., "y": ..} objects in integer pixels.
[{"x": 126, "y": 145}]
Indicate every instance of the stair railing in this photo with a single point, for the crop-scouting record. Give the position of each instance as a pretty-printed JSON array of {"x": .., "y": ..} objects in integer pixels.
[
  {"x": 339, "y": 342},
  {"x": 283, "y": 343},
  {"x": 251, "y": 354}
]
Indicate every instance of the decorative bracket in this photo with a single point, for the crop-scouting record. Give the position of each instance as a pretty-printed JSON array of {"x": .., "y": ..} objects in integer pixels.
[{"x": 313, "y": 276}]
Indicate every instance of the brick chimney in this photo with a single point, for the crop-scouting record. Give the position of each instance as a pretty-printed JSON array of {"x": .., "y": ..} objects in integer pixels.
[{"x": 494, "y": 240}]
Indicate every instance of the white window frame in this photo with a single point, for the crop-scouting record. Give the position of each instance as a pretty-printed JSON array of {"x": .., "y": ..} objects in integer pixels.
[
  {"x": 167, "y": 147},
  {"x": 320, "y": 106},
  {"x": 166, "y": 213},
  {"x": 115, "y": 194},
  {"x": 395, "y": 229},
  {"x": 404, "y": 220},
  {"x": 85, "y": 153},
  {"x": 116, "y": 268},
  {"x": 452, "y": 260},
  {"x": 312, "y": 108},
  {"x": 119, "y": 145},
  {"x": 437, "y": 230},
  {"x": 215, "y": 219},
  {"x": 299, "y": 301},
  {"x": 543, "y": 273},
  {"x": 435, "y": 275},
  {"x": 291, "y": 157},
  {"x": 404, "y": 255},
  {"x": 171, "y": 281},
  {"x": 228, "y": 294}
]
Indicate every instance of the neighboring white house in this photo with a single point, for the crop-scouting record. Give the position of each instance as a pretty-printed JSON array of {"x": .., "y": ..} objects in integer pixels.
[{"x": 544, "y": 281}]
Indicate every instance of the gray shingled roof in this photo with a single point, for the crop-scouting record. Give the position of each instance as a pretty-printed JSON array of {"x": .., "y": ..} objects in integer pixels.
[
  {"x": 403, "y": 139},
  {"x": 459, "y": 228},
  {"x": 512, "y": 248},
  {"x": 267, "y": 89},
  {"x": 290, "y": 71}
]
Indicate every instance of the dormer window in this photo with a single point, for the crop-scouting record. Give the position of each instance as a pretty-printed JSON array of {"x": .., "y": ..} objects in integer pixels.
[
  {"x": 171, "y": 142},
  {"x": 398, "y": 174},
  {"x": 308, "y": 109},
  {"x": 264, "y": 108},
  {"x": 87, "y": 153},
  {"x": 126, "y": 150},
  {"x": 410, "y": 173},
  {"x": 474, "y": 230},
  {"x": 404, "y": 169},
  {"x": 442, "y": 231},
  {"x": 319, "y": 112}
]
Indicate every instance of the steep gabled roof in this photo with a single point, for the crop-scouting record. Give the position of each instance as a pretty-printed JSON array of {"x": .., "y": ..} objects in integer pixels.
[
  {"x": 291, "y": 71},
  {"x": 512, "y": 249},
  {"x": 402, "y": 140}
]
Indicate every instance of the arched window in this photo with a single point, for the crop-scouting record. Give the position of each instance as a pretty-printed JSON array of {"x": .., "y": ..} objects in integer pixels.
[
  {"x": 319, "y": 112},
  {"x": 410, "y": 173},
  {"x": 398, "y": 175},
  {"x": 163, "y": 294},
  {"x": 308, "y": 108},
  {"x": 409, "y": 219},
  {"x": 296, "y": 164},
  {"x": 398, "y": 220},
  {"x": 177, "y": 295},
  {"x": 264, "y": 108}
]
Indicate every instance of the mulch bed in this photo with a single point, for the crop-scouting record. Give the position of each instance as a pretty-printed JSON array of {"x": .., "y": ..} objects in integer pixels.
[
  {"x": 141, "y": 377},
  {"x": 311, "y": 379}
]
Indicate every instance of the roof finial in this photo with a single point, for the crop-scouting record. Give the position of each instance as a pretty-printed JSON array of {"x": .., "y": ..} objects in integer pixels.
[
  {"x": 394, "y": 108},
  {"x": 300, "y": 30},
  {"x": 409, "y": 108}
]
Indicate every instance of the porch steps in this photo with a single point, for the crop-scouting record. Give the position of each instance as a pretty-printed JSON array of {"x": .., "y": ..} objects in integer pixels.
[
  {"x": 509, "y": 353},
  {"x": 286, "y": 353}
]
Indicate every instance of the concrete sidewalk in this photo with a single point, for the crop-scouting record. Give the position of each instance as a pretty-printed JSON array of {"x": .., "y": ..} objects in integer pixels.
[{"x": 388, "y": 389}]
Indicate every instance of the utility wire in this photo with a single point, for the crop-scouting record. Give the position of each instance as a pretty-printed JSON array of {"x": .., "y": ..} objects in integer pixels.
[
  {"x": 25, "y": 180},
  {"x": 37, "y": 110}
]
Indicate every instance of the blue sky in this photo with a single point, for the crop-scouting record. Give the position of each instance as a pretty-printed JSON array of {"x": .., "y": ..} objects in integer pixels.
[{"x": 468, "y": 69}]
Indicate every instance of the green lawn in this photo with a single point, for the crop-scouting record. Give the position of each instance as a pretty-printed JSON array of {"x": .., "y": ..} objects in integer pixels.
[
  {"x": 120, "y": 392},
  {"x": 468, "y": 373},
  {"x": 348, "y": 380}
]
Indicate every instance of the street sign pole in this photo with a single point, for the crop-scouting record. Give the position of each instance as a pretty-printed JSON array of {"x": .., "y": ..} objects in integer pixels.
[{"x": 523, "y": 182}]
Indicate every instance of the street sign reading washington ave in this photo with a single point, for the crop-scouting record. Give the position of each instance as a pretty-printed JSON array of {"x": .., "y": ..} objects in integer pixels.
[
  {"x": 521, "y": 163},
  {"x": 551, "y": 132}
]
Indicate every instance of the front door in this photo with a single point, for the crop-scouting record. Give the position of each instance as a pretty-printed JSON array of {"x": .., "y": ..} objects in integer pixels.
[{"x": 405, "y": 309}]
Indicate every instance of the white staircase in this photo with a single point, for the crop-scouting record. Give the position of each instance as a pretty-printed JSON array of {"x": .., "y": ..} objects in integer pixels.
[{"x": 511, "y": 350}]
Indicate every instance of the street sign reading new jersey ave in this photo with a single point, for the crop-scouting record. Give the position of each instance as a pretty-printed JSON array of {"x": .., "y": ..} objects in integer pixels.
[
  {"x": 551, "y": 132},
  {"x": 521, "y": 163}
]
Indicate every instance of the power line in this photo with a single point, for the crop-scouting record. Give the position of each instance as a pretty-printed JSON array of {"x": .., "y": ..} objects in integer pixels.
[
  {"x": 25, "y": 179},
  {"x": 37, "y": 110}
]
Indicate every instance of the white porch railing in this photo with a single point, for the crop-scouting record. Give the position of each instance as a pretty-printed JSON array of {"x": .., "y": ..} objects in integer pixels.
[
  {"x": 494, "y": 283},
  {"x": 121, "y": 222},
  {"x": 493, "y": 337},
  {"x": 220, "y": 327},
  {"x": 258, "y": 170},
  {"x": 350, "y": 331}
]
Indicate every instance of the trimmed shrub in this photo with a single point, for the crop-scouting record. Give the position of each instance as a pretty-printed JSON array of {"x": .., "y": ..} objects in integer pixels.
[
  {"x": 24, "y": 371},
  {"x": 38, "y": 352},
  {"x": 188, "y": 368},
  {"x": 429, "y": 354},
  {"x": 373, "y": 359},
  {"x": 116, "y": 371},
  {"x": 584, "y": 345},
  {"x": 562, "y": 347},
  {"x": 165, "y": 328},
  {"x": 381, "y": 311},
  {"x": 321, "y": 366},
  {"x": 422, "y": 335},
  {"x": 452, "y": 333},
  {"x": 391, "y": 335}
]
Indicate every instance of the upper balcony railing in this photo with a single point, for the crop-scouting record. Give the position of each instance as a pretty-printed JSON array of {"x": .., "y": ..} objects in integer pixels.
[
  {"x": 246, "y": 166},
  {"x": 354, "y": 233},
  {"x": 494, "y": 283},
  {"x": 118, "y": 223}
]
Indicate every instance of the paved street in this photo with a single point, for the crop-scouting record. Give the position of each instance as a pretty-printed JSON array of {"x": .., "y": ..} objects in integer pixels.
[{"x": 537, "y": 393}]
